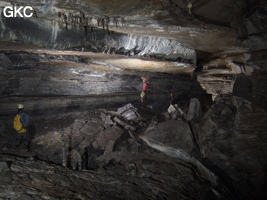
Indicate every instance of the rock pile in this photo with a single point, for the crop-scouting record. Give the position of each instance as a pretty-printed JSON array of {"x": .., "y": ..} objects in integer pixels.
[
  {"x": 99, "y": 157},
  {"x": 93, "y": 135},
  {"x": 141, "y": 154}
]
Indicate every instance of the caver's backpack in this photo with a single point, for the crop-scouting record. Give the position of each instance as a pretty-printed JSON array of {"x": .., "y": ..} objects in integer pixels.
[
  {"x": 18, "y": 125},
  {"x": 149, "y": 86}
]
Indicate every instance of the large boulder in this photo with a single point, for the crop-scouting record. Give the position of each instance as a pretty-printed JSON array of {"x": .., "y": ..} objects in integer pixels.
[
  {"x": 195, "y": 111},
  {"x": 233, "y": 140},
  {"x": 103, "y": 139},
  {"x": 53, "y": 145},
  {"x": 175, "y": 112},
  {"x": 48, "y": 145},
  {"x": 172, "y": 133}
]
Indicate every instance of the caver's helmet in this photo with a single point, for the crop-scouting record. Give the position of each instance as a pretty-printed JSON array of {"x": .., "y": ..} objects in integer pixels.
[
  {"x": 144, "y": 78},
  {"x": 20, "y": 106}
]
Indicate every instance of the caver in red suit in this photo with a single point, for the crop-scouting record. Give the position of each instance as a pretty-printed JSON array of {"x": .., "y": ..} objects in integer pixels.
[{"x": 144, "y": 93}]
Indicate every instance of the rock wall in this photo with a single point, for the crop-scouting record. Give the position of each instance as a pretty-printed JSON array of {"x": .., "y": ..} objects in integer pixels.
[
  {"x": 259, "y": 91},
  {"x": 56, "y": 75},
  {"x": 232, "y": 137},
  {"x": 66, "y": 84}
]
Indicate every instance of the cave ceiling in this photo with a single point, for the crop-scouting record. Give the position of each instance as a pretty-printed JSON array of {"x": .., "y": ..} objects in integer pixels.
[{"x": 180, "y": 31}]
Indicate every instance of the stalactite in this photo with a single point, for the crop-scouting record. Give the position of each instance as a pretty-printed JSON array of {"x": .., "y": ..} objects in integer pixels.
[
  {"x": 105, "y": 23},
  {"x": 78, "y": 19}
]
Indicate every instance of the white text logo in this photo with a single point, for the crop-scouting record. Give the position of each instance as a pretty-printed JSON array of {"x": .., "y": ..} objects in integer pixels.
[{"x": 21, "y": 11}]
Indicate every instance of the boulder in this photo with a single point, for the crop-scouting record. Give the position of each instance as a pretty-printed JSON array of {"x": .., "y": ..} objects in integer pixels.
[
  {"x": 106, "y": 120},
  {"x": 109, "y": 147},
  {"x": 124, "y": 123},
  {"x": 78, "y": 124},
  {"x": 195, "y": 111},
  {"x": 175, "y": 112},
  {"x": 77, "y": 136},
  {"x": 129, "y": 112},
  {"x": 92, "y": 127},
  {"x": 174, "y": 139},
  {"x": 3, "y": 166},
  {"x": 232, "y": 137},
  {"x": 83, "y": 137},
  {"x": 172, "y": 133},
  {"x": 46, "y": 145},
  {"x": 112, "y": 133}
]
